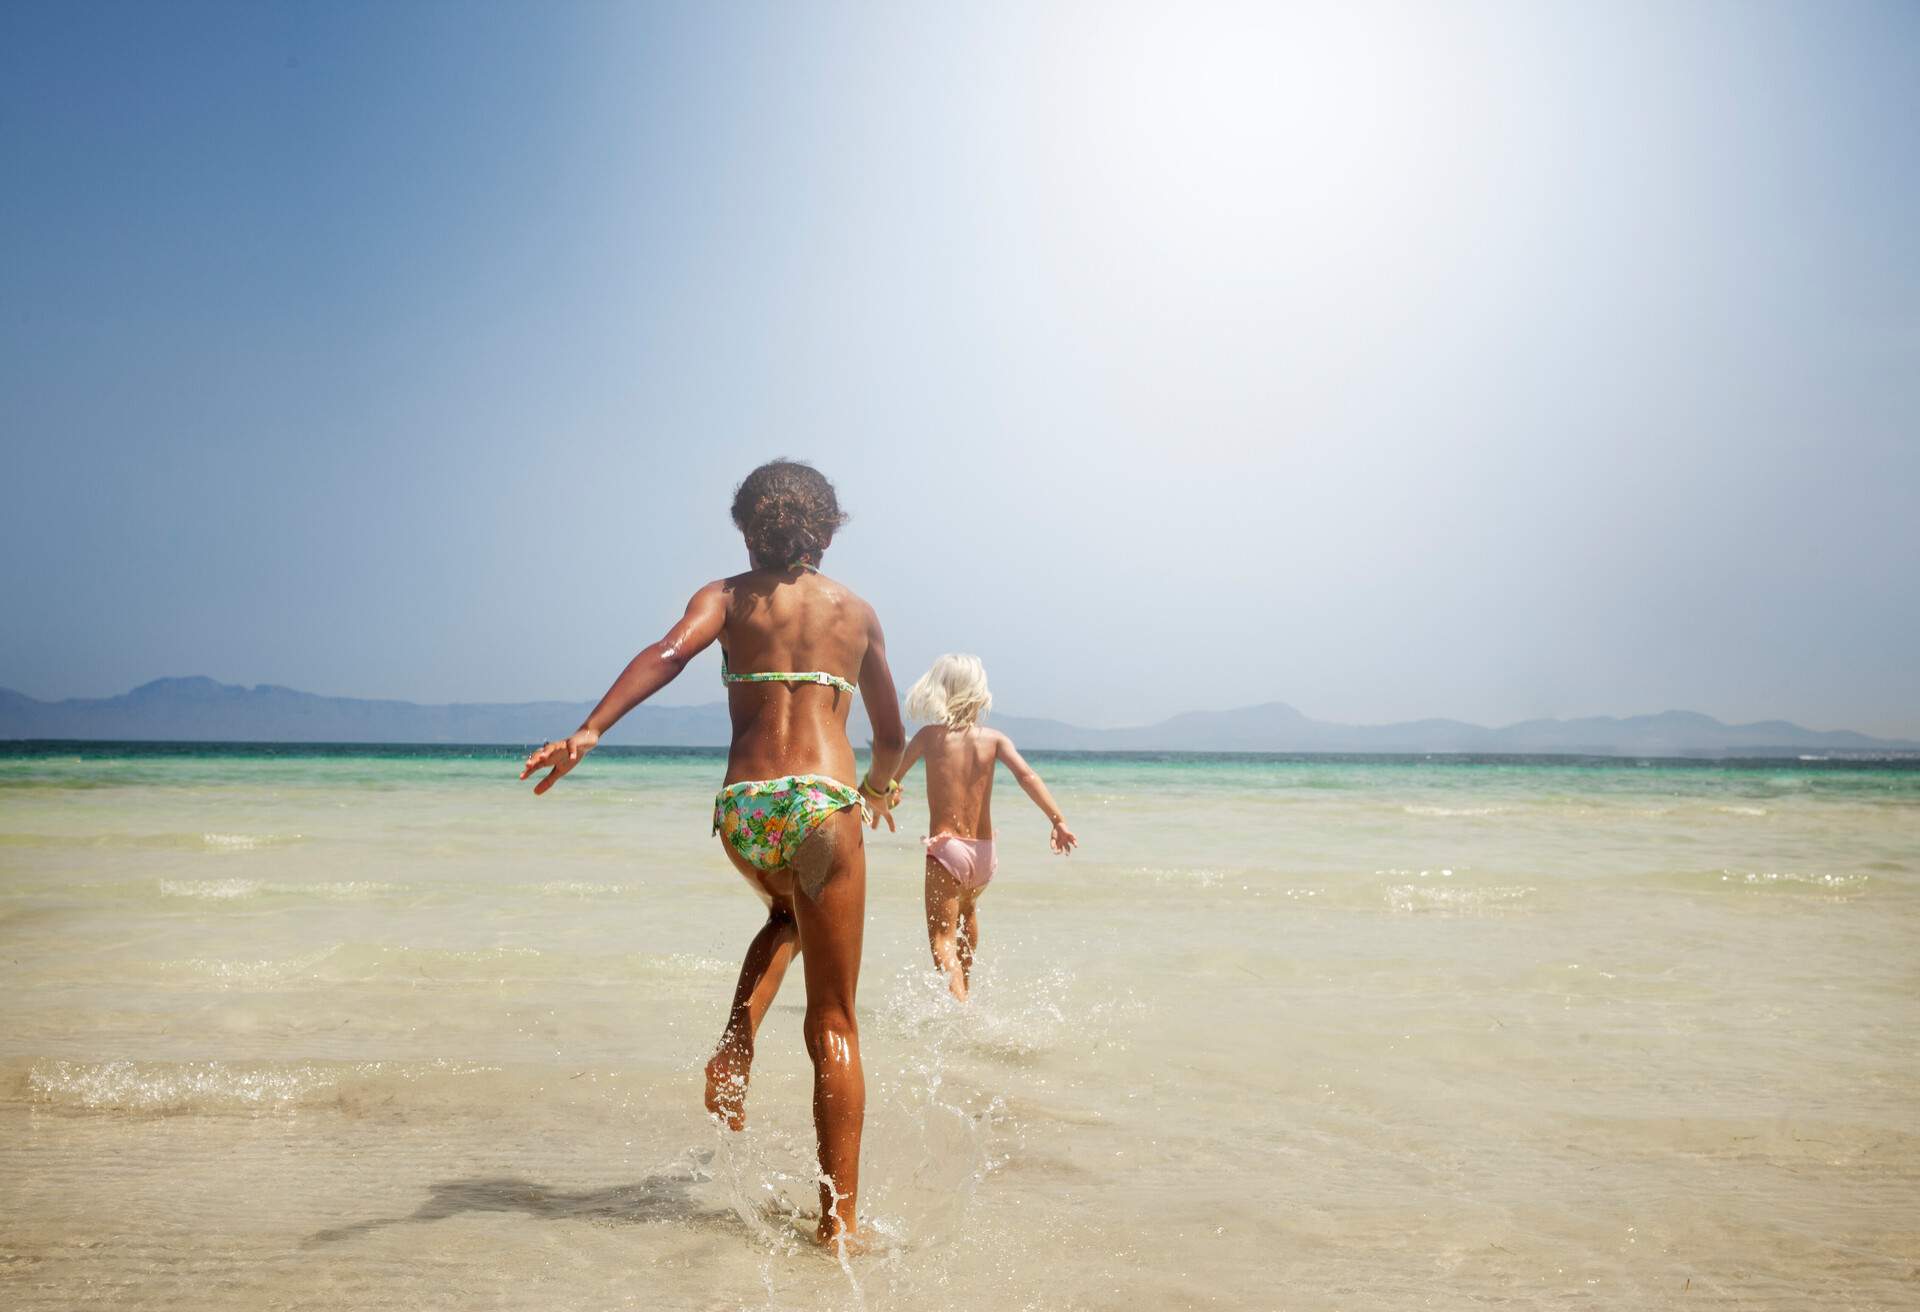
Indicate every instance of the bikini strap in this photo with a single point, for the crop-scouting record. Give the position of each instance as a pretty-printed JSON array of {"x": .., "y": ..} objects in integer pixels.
[{"x": 786, "y": 676}]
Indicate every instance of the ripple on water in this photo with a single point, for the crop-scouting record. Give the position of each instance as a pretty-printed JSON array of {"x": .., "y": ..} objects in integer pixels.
[
  {"x": 1807, "y": 886},
  {"x": 188, "y": 1087},
  {"x": 229, "y": 890},
  {"x": 1457, "y": 899},
  {"x": 219, "y": 890},
  {"x": 1796, "y": 881},
  {"x": 246, "y": 842},
  {"x": 575, "y": 888},
  {"x": 1180, "y": 876}
]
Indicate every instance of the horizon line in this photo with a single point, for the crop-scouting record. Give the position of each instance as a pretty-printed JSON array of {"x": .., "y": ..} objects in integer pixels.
[{"x": 1123, "y": 728}]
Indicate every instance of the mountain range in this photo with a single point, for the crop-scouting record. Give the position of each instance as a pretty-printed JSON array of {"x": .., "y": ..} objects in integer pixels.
[{"x": 203, "y": 710}]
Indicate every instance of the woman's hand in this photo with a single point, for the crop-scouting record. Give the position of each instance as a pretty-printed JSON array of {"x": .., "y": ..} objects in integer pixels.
[
  {"x": 882, "y": 804},
  {"x": 562, "y": 756},
  {"x": 1062, "y": 839}
]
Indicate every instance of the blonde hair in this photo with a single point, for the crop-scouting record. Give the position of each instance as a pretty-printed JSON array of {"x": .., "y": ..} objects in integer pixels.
[{"x": 953, "y": 693}]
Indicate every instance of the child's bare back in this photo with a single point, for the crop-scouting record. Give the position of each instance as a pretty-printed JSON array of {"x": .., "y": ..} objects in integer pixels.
[
  {"x": 961, "y": 755},
  {"x": 960, "y": 777}
]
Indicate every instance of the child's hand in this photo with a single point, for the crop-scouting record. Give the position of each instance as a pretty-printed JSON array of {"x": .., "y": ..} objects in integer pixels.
[
  {"x": 1061, "y": 839},
  {"x": 562, "y": 756}
]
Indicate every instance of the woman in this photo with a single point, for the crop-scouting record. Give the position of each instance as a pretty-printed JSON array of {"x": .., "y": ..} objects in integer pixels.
[{"x": 794, "y": 646}]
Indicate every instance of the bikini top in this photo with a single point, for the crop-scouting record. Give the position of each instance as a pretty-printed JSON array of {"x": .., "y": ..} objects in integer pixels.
[
  {"x": 788, "y": 676},
  {"x": 785, "y": 676}
]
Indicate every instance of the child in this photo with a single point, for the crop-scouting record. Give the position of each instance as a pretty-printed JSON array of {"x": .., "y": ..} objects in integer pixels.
[{"x": 960, "y": 757}]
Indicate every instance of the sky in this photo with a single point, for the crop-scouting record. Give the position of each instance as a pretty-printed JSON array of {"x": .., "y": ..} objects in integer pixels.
[{"x": 1475, "y": 360}]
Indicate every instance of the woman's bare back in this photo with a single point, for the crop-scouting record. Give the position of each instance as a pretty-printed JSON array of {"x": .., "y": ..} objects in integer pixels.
[{"x": 787, "y": 622}]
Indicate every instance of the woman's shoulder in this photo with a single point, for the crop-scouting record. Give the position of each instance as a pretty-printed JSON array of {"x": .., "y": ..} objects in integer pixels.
[
  {"x": 840, "y": 591},
  {"x": 756, "y": 598},
  {"x": 849, "y": 606},
  {"x": 757, "y": 580}
]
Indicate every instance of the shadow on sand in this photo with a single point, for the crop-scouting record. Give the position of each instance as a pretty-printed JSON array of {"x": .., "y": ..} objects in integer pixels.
[{"x": 656, "y": 1198}]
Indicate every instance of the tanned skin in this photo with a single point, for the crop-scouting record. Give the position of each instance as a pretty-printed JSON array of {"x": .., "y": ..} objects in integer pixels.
[
  {"x": 960, "y": 764},
  {"x": 773, "y": 618}
]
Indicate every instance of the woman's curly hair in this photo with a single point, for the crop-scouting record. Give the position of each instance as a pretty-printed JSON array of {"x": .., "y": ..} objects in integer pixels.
[{"x": 787, "y": 512}]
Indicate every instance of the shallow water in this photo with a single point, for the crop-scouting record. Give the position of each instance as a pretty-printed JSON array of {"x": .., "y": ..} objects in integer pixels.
[{"x": 376, "y": 1028}]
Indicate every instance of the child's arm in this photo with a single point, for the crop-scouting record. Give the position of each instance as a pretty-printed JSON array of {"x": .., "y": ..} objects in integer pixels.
[
  {"x": 1062, "y": 839},
  {"x": 915, "y": 747},
  {"x": 654, "y": 668}
]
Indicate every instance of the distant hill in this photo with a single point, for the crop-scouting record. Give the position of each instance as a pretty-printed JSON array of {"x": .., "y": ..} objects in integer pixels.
[
  {"x": 1277, "y": 727},
  {"x": 202, "y": 710}
]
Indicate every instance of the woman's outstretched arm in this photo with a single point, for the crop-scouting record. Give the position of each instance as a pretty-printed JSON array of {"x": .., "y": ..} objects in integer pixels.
[
  {"x": 915, "y": 746},
  {"x": 1061, "y": 839},
  {"x": 883, "y": 713},
  {"x": 657, "y": 665}
]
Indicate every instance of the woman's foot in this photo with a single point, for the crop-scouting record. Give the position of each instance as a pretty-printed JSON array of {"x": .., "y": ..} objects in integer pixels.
[
  {"x": 837, "y": 1237},
  {"x": 727, "y": 1074}
]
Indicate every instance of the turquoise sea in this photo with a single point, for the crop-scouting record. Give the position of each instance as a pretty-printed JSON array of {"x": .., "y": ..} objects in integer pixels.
[{"x": 369, "y": 1027}]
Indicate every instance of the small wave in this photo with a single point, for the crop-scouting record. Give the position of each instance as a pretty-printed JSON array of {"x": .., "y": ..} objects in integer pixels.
[
  {"x": 390, "y": 963},
  {"x": 1191, "y": 876},
  {"x": 248, "y": 972},
  {"x": 165, "y": 841},
  {"x": 226, "y": 890},
  {"x": 159, "y": 1087},
  {"x": 349, "y": 889},
  {"x": 219, "y": 890},
  {"x": 1796, "y": 881},
  {"x": 574, "y": 888},
  {"x": 386, "y": 965},
  {"x": 1455, "y": 810},
  {"x": 1741, "y": 810},
  {"x": 1780, "y": 887},
  {"x": 1454, "y": 898},
  {"x": 245, "y": 842}
]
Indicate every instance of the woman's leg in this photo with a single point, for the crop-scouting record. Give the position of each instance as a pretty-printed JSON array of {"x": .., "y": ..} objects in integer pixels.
[
  {"x": 832, "y": 920},
  {"x": 944, "y": 894},
  {"x": 764, "y": 967}
]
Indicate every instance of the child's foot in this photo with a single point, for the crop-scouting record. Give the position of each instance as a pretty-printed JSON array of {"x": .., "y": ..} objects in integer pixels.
[{"x": 727, "y": 1085}]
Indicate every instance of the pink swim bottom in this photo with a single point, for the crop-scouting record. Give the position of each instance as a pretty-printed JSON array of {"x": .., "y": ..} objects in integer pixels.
[{"x": 969, "y": 860}]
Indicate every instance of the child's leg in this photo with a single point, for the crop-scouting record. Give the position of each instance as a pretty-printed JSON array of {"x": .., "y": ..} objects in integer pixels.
[
  {"x": 765, "y": 965},
  {"x": 943, "y": 925},
  {"x": 969, "y": 937}
]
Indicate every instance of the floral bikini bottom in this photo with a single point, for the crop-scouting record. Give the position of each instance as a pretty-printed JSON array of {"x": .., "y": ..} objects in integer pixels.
[{"x": 766, "y": 820}]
